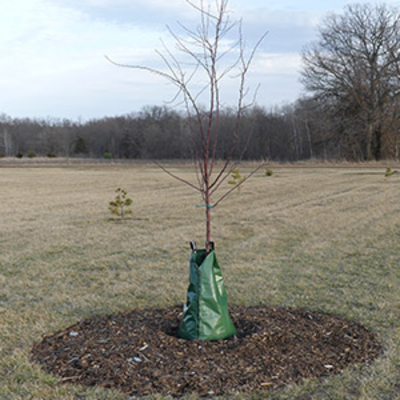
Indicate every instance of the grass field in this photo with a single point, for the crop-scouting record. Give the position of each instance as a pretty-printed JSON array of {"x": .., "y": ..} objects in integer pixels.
[{"x": 323, "y": 238}]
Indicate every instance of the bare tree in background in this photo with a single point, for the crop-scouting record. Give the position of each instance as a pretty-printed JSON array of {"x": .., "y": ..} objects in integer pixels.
[
  {"x": 210, "y": 58},
  {"x": 5, "y": 137},
  {"x": 354, "y": 69}
]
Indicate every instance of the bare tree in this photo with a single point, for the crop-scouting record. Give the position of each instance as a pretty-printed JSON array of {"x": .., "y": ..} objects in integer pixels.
[
  {"x": 211, "y": 58},
  {"x": 5, "y": 137},
  {"x": 355, "y": 68}
]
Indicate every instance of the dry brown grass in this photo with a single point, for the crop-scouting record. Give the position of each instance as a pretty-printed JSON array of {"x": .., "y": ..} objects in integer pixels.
[{"x": 323, "y": 238}]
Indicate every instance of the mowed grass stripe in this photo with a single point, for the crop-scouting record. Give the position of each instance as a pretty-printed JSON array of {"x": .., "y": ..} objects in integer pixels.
[{"x": 322, "y": 238}]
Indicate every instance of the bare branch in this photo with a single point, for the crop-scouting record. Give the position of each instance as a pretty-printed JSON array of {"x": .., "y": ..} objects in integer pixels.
[
  {"x": 175, "y": 176},
  {"x": 255, "y": 48},
  {"x": 201, "y": 48},
  {"x": 148, "y": 69},
  {"x": 238, "y": 185},
  {"x": 184, "y": 48},
  {"x": 201, "y": 10}
]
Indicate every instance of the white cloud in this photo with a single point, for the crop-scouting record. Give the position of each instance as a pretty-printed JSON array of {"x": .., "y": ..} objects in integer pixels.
[
  {"x": 277, "y": 64},
  {"x": 53, "y": 52}
]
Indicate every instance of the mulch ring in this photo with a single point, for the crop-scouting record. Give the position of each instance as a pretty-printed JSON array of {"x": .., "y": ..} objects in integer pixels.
[{"x": 139, "y": 352}]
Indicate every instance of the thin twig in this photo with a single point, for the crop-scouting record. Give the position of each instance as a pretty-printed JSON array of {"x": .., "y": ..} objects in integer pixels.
[
  {"x": 175, "y": 176},
  {"x": 236, "y": 186},
  {"x": 201, "y": 10}
]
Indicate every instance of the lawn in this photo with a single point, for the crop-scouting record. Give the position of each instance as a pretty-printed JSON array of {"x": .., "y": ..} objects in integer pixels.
[{"x": 327, "y": 239}]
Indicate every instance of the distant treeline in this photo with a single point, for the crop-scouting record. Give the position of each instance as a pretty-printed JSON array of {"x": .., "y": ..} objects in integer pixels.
[{"x": 294, "y": 132}]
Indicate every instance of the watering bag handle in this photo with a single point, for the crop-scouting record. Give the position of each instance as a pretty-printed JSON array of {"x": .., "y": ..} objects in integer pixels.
[{"x": 194, "y": 247}]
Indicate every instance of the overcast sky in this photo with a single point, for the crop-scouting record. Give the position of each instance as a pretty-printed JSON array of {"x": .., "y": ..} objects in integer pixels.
[{"x": 52, "y": 52}]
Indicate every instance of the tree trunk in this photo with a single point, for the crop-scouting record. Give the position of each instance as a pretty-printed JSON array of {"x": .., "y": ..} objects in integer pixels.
[
  {"x": 368, "y": 142},
  {"x": 208, "y": 220},
  {"x": 310, "y": 151},
  {"x": 295, "y": 144},
  {"x": 7, "y": 143},
  {"x": 378, "y": 145}
]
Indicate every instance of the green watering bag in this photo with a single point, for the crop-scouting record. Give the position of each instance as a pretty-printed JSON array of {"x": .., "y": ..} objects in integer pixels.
[{"x": 206, "y": 315}]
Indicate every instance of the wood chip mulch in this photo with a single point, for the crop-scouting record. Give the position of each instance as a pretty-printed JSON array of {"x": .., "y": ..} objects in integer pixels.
[{"x": 139, "y": 352}]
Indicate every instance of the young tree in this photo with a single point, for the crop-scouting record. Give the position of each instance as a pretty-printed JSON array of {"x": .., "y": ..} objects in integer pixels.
[
  {"x": 206, "y": 54},
  {"x": 120, "y": 205}
]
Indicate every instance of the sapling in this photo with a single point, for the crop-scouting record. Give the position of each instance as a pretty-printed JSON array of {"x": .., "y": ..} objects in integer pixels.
[
  {"x": 208, "y": 54},
  {"x": 236, "y": 178},
  {"x": 269, "y": 172},
  {"x": 121, "y": 203},
  {"x": 202, "y": 59},
  {"x": 389, "y": 172}
]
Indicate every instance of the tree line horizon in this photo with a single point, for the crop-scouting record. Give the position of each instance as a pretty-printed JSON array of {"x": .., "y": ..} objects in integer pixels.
[{"x": 351, "y": 110}]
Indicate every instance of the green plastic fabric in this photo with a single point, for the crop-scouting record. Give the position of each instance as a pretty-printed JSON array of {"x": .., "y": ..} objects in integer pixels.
[{"x": 206, "y": 315}]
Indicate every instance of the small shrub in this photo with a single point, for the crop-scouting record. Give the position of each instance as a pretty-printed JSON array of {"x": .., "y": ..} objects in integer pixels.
[
  {"x": 120, "y": 204},
  {"x": 269, "y": 172},
  {"x": 2, "y": 155},
  {"x": 19, "y": 154},
  {"x": 31, "y": 153},
  {"x": 236, "y": 178},
  {"x": 51, "y": 154},
  {"x": 107, "y": 155},
  {"x": 389, "y": 172}
]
